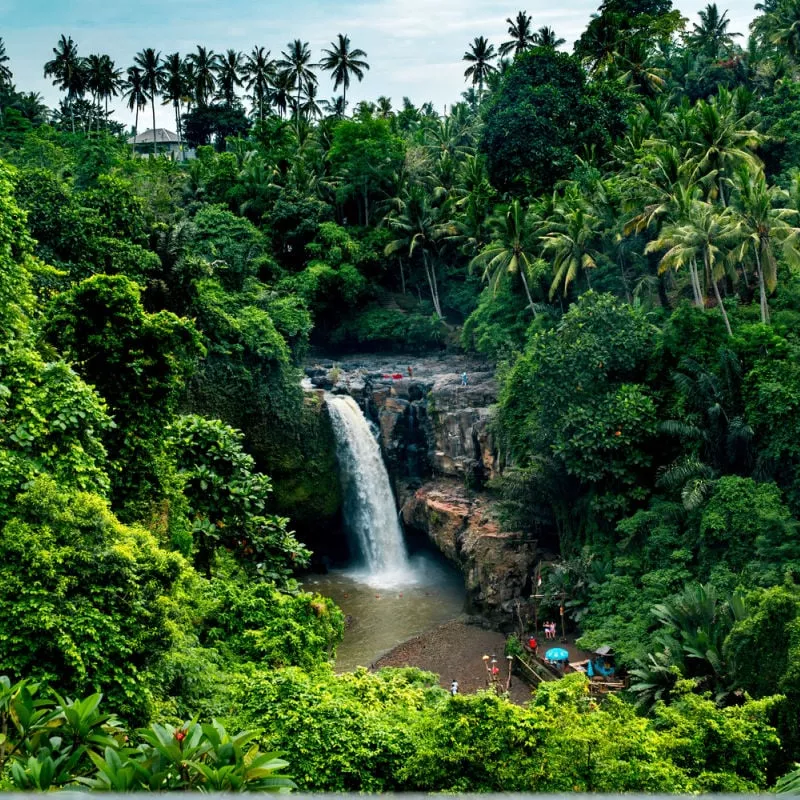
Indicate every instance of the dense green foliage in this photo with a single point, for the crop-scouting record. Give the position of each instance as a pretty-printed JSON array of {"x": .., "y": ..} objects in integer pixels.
[{"x": 616, "y": 230}]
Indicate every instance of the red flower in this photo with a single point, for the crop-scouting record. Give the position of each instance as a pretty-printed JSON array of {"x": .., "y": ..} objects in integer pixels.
[{"x": 180, "y": 735}]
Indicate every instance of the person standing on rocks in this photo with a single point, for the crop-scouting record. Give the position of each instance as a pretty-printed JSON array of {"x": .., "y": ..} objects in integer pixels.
[
  {"x": 463, "y": 378},
  {"x": 454, "y": 687}
]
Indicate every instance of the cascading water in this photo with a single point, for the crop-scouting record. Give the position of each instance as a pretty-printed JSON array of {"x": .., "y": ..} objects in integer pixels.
[{"x": 370, "y": 515}]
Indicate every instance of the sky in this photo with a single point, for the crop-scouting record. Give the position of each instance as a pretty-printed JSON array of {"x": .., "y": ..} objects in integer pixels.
[{"x": 414, "y": 47}]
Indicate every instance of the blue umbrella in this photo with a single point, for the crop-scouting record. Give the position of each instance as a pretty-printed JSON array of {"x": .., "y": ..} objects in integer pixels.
[{"x": 557, "y": 654}]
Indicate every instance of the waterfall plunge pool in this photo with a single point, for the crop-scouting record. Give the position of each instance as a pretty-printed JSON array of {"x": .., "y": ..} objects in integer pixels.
[
  {"x": 379, "y": 619},
  {"x": 387, "y": 595}
]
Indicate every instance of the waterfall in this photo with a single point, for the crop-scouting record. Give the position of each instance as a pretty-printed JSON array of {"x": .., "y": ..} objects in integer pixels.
[{"x": 370, "y": 516}]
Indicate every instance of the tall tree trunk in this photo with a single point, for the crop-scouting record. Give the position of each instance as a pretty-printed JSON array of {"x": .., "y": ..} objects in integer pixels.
[
  {"x": 527, "y": 292},
  {"x": 402, "y": 275},
  {"x": 762, "y": 289},
  {"x": 695, "y": 280},
  {"x": 135, "y": 129},
  {"x": 153, "y": 106},
  {"x": 430, "y": 274},
  {"x": 718, "y": 298},
  {"x": 180, "y": 132}
]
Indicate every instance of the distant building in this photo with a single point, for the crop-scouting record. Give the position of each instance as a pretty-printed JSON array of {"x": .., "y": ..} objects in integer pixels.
[{"x": 166, "y": 142}]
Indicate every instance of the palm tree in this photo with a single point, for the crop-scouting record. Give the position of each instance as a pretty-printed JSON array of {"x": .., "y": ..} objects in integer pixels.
[
  {"x": 173, "y": 88},
  {"x": 384, "y": 105},
  {"x": 334, "y": 107},
  {"x": 111, "y": 82},
  {"x": 342, "y": 62},
  {"x": 711, "y": 36},
  {"x": 296, "y": 63},
  {"x": 762, "y": 224},
  {"x": 5, "y": 73},
  {"x": 639, "y": 71},
  {"x": 189, "y": 83},
  {"x": 720, "y": 140},
  {"x": 480, "y": 55},
  {"x": 259, "y": 74},
  {"x": 149, "y": 62},
  {"x": 31, "y": 106},
  {"x": 94, "y": 78},
  {"x": 67, "y": 70},
  {"x": 522, "y": 37},
  {"x": 547, "y": 37},
  {"x": 309, "y": 105},
  {"x": 510, "y": 251},
  {"x": 229, "y": 76},
  {"x": 783, "y": 27},
  {"x": 570, "y": 236},
  {"x": 420, "y": 224},
  {"x": 102, "y": 80},
  {"x": 133, "y": 92},
  {"x": 204, "y": 66},
  {"x": 706, "y": 235},
  {"x": 281, "y": 92}
]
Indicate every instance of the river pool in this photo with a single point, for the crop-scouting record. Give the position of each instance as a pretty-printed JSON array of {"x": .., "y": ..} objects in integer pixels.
[{"x": 381, "y": 618}]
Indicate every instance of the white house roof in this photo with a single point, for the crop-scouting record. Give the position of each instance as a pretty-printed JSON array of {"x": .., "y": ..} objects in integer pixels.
[{"x": 162, "y": 136}]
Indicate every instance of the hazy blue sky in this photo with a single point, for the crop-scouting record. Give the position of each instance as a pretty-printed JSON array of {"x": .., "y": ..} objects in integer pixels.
[{"x": 414, "y": 47}]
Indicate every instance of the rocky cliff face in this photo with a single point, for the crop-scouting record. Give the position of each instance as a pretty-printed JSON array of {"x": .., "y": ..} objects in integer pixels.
[
  {"x": 496, "y": 564},
  {"x": 436, "y": 440}
]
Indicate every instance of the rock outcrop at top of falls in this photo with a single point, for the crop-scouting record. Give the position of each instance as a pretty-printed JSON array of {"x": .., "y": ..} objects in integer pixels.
[{"x": 436, "y": 439}]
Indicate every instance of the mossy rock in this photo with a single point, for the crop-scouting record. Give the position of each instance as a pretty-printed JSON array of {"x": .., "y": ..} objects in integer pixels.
[{"x": 304, "y": 470}]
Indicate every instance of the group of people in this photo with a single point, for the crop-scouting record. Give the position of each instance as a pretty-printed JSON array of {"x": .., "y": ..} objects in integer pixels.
[{"x": 549, "y": 630}]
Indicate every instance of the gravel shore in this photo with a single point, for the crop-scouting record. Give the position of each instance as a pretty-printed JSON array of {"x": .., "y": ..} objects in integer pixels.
[{"x": 454, "y": 651}]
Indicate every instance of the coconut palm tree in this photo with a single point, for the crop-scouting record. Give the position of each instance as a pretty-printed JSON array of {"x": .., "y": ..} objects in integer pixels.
[
  {"x": 281, "y": 92},
  {"x": 111, "y": 82},
  {"x": 309, "y": 105},
  {"x": 149, "y": 62},
  {"x": 480, "y": 56},
  {"x": 783, "y": 27},
  {"x": 640, "y": 73},
  {"x": 133, "y": 92},
  {"x": 547, "y": 37},
  {"x": 521, "y": 33},
  {"x": 173, "y": 88},
  {"x": 762, "y": 225},
  {"x": 229, "y": 75},
  {"x": 705, "y": 236},
  {"x": 259, "y": 74},
  {"x": 511, "y": 251},
  {"x": 203, "y": 64},
  {"x": 570, "y": 236},
  {"x": 421, "y": 225},
  {"x": 711, "y": 37},
  {"x": 384, "y": 105},
  {"x": 102, "y": 80},
  {"x": 296, "y": 63},
  {"x": 68, "y": 71},
  {"x": 31, "y": 106},
  {"x": 342, "y": 62},
  {"x": 5, "y": 73},
  {"x": 334, "y": 107},
  {"x": 94, "y": 77},
  {"x": 720, "y": 141}
]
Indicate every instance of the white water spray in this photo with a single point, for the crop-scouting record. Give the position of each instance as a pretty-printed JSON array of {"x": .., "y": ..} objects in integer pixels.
[{"x": 370, "y": 515}]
